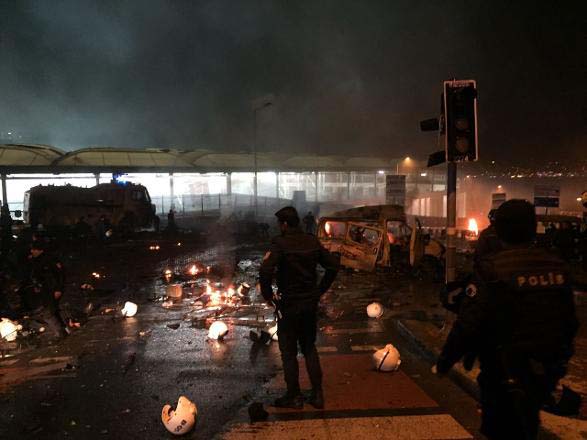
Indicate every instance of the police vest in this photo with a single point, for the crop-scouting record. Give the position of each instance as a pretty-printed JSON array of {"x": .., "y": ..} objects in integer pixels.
[{"x": 535, "y": 306}]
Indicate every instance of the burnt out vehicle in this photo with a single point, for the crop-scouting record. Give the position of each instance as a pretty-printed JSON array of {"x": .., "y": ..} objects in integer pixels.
[{"x": 368, "y": 237}]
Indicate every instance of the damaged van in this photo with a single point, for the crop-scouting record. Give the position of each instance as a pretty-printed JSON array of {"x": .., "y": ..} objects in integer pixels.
[{"x": 367, "y": 237}]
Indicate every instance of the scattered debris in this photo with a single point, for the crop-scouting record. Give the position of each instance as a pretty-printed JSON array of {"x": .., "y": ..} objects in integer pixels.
[
  {"x": 129, "y": 361},
  {"x": 387, "y": 359},
  {"x": 174, "y": 290},
  {"x": 182, "y": 419},
  {"x": 173, "y": 326}
]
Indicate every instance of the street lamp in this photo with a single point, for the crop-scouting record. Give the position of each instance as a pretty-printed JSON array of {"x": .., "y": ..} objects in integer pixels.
[
  {"x": 258, "y": 104},
  {"x": 406, "y": 160}
]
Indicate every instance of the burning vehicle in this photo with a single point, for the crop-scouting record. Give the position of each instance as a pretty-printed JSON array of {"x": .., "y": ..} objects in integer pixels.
[{"x": 376, "y": 236}]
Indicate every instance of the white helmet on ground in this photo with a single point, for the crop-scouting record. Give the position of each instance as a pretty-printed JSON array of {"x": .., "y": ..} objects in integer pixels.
[
  {"x": 217, "y": 330},
  {"x": 273, "y": 332},
  {"x": 129, "y": 309},
  {"x": 183, "y": 419},
  {"x": 375, "y": 310},
  {"x": 9, "y": 329},
  {"x": 387, "y": 359}
]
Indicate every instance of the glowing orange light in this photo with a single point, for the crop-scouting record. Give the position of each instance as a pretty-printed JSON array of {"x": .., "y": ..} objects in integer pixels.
[
  {"x": 328, "y": 229},
  {"x": 193, "y": 270},
  {"x": 96, "y": 275},
  {"x": 473, "y": 226}
]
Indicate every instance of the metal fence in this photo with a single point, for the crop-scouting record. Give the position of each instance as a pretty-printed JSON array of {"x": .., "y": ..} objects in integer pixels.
[{"x": 222, "y": 203}]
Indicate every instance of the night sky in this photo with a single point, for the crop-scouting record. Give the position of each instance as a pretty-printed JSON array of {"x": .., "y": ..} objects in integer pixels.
[{"x": 348, "y": 76}]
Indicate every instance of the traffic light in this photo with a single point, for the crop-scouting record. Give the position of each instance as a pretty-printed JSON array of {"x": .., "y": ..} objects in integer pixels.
[{"x": 460, "y": 120}]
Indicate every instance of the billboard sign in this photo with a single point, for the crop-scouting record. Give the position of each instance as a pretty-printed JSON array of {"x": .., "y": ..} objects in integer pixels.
[
  {"x": 395, "y": 190},
  {"x": 546, "y": 196}
]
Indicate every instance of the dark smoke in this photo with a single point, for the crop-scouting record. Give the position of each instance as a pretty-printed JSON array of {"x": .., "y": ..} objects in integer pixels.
[{"x": 348, "y": 76}]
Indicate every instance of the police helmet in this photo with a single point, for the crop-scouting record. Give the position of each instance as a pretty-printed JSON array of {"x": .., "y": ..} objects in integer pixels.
[
  {"x": 288, "y": 215},
  {"x": 515, "y": 221},
  {"x": 491, "y": 215}
]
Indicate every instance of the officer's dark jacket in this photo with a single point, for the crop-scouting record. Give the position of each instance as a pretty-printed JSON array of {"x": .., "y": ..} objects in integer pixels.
[
  {"x": 47, "y": 275},
  {"x": 295, "y": 255},
  {"x": 487, "y": 244},
  {"x": 521, "y": 301}
]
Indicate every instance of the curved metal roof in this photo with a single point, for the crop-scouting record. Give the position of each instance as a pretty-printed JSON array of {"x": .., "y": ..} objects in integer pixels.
[
  {"x": 41, "y": 158},
  {"x": 28, "y": 155}
]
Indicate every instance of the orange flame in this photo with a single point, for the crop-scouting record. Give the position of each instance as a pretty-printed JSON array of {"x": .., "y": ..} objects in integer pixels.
[
  {"x": 473, "y": 226},
  {"x": 328, "y": 229},
  {"x": 193, "y": 270}
]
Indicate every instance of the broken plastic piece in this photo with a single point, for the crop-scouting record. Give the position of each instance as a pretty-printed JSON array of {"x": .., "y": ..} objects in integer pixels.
[
  {"x": 273, "y": 332},
  {"x": 174, "y": 290},
  {"x": 182, "y": 419}
]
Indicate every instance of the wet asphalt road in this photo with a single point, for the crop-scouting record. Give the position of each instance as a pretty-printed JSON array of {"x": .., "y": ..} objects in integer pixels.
[{"x": 111, "y": 378}]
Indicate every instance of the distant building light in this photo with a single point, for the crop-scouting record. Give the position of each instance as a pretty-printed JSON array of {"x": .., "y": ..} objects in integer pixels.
[
  {"x": 579, "y": 199},
  {"x": 468, "y": 176},
  {"x": 423, "y": 174},
  {"x": 499, "y": 187},
  {"x": 380, "y": 172},
  {"x": 407, "y": 158},
  {"x": 492, "y": 162}
]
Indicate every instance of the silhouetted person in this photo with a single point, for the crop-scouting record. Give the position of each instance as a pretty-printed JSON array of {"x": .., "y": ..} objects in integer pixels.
[
  {"x": 171, "y": 225},
  {"x": 310, "y": 222},
  {"x": 6, "y": 226}
]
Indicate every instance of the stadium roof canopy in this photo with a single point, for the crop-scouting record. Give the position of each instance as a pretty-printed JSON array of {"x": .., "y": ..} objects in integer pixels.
[{"x": 30, "y": 159}]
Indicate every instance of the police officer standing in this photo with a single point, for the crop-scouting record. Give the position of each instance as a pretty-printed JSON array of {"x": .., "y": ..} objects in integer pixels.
[
  {"x": 44, "y": 287},
  {"x": 295, "y": 255},
  {"x": 519, "y": 315}
]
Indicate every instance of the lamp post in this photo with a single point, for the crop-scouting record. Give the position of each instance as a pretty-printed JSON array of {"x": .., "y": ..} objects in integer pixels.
[
  {"x": 258, "y": 105},
  {"x": 406, "y": 159}
]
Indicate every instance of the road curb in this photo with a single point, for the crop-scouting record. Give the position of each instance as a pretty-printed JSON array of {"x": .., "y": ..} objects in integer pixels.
[{"x": 457, "y": 374}]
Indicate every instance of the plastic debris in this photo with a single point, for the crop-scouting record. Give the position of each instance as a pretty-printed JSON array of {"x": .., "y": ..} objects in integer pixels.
[{"x": 174, "y": 290}]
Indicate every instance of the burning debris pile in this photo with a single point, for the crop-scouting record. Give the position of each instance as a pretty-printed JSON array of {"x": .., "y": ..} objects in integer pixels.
[{"x": 208, "y": 290}]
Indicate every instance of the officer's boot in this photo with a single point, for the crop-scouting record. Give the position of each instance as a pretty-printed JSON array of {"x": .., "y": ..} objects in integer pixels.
[
  {"x": 317, "y": 398},
  {"x": 290, "y": 401}
]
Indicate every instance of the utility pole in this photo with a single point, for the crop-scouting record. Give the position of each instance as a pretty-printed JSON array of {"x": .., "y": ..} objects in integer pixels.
[
  {"x": 451, "y": 221},
  {"x": 4, "y": 190}
]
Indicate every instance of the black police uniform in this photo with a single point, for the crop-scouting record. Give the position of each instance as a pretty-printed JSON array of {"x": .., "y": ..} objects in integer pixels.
[
  {"x": 295, "y": 255},
  {"x": 519, "y": 314},
  {"x": 488, "y": 243},
  {"x": 46, "y": 276}
]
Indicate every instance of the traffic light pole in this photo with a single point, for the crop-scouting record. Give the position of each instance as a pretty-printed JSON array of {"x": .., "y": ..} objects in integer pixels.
[{"x": 451, "y": 221}]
